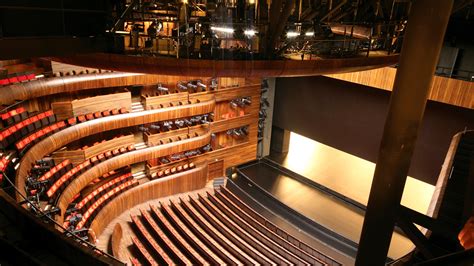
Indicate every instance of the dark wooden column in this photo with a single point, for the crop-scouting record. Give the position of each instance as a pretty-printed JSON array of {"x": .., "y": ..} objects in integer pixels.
[
  {"x": 280, "y": 139},
  {"x": 422, "y": 43}
]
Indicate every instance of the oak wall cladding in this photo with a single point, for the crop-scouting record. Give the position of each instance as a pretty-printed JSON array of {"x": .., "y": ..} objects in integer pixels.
[
  {"x": 62, "y": 138},
  {"x": 123, "y": 160},
  {"x": 103, "y": 102},
  {"x": 178, "y": 183},
  {"x": 79, "y": 155},
  {"x": 446, "y": 90},
  {"x": 213, "y": 128}
]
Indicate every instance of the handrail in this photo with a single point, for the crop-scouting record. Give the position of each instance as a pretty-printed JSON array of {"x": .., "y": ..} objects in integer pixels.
[
  {"x": 54, "y": 85},
  {"x": 444, "y": 176},
  {"x": 76, "y": 237},
  {"x": 63, "y": 137},
  {"x": 126, "y": 159},
  {"x": 228, "y": 68},
  {"x": 178, "y": 183}
]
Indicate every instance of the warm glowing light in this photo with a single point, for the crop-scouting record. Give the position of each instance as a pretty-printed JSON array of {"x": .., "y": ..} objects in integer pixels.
[
  {"x": 185, "y": 1},
  {"x": 251, "y": 2},
  {"x": 292, "y": 34},
  {"x": 250, "y": 32},
  {"x": 310, "y": 158},
  {"x": 223, "y": 29},
  {"x": 309, "y": 33}
]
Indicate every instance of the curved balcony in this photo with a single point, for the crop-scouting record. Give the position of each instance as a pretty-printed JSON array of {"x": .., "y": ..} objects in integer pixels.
[
  {"x": 228, "y": 68},
  {"x": 60, "y": 139}
]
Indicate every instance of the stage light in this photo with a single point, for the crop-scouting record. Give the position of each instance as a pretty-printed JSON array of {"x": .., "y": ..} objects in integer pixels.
[
  {"x": 222, "y": 29},
  {"x": 250, "y": 32},
  {"x": 309, "y": 33},
  {"x": 292, "y": 34}
]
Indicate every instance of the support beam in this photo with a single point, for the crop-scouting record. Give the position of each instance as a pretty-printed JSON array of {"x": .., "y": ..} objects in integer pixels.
[
  {"x": 421, "y": 47},
  {"x": 280, "y": 140}
]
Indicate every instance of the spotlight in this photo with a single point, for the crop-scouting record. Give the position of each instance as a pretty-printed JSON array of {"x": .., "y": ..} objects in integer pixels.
[
  {"x": 250, "y": 33},
  {"x": 292, "y": 34},
  {"x": 223, "y": 29},
  {"x": 309, "y": 33}
]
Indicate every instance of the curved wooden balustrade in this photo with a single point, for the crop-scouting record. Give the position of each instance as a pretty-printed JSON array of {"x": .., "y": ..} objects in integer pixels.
[
  {"x": 116, "y": 241},
  {"x": 174, "y": 184},
  {"x": 68, "y": 135},
  {"x": 228, "y": 68},
  {"x": 47, "y": 86},
  {"x": 123, "y": 160}
]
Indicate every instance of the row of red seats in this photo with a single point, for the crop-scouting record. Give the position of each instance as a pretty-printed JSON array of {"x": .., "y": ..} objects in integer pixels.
[
  {"x": 71, "y": 219},
  {"x": 39, "y": 135},
  {"x": 67, "y": 178},
  {"x": 172, "y": 170},
  {"x": 14, "y": 116},
  {"x": 109, "y": 154},
  {"x": 92, "y": 211},
  {"x": 57, "y": 171},
  {"x": 15, "y": 132},
  {"x": 100, "y": 191},
  {"x": 17, "y": 79},
  {"x": 91, "y": 116}
]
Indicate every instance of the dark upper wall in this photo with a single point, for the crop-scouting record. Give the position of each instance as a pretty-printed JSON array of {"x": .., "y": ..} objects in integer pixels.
[{"x": 350, "y": 117}]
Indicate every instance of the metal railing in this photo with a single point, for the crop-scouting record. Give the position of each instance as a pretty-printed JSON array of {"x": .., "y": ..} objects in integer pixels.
[
  {"x": 65, "y": 230},
  {"x": 242, "y": 41}
]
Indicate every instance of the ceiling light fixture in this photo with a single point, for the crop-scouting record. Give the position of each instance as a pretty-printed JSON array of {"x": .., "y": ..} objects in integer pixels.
[
  {"x": 292, "y": 34},
  {"x": 250, "y": 32},
  {"x": 222, "y": 29}
]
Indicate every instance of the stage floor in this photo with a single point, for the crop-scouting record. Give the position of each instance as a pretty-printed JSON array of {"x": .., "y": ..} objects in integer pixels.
[{"x": 338, "y": 171}]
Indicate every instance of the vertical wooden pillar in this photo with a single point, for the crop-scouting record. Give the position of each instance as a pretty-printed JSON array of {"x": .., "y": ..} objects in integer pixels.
[{"x": 422, "y": 43}]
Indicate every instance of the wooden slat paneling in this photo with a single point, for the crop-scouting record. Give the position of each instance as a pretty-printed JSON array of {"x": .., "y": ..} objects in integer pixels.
[
  {"x": 62, "y": 110},
  {"x": 228, "y": 68},
  {"x": 101, "y": 103},
  {"x": 123, "y": 160},
  {"x": 178, "y": 183},
  {"x": 68, "y": 135},
  {"x": 109, "y": 145},
  {"x": 215, "y": 169},
  {"x": 76, "y": 157},
  {"x": 445, "y": 90}
]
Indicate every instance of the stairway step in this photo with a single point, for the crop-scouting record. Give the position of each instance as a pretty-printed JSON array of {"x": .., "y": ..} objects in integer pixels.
[{"x": 139, "y": 175}]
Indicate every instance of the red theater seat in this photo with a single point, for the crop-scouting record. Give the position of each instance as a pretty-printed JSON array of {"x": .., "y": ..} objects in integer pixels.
[{"x": 90, "y": 116}]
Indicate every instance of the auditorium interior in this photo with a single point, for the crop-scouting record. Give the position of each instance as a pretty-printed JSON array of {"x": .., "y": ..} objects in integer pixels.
[{"x": 240, "y": 132}]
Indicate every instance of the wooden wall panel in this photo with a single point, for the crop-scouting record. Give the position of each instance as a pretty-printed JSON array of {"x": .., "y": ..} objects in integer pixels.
[
  {"x": 101, "y": 103},
  {"x": 154, "y": 139},
  {"x": 445, "y": 90},
  {"x": 215, "y": 169},
  {"x": 68, "y": 135},
  {"x": 109, "y": 145},
  {"x": 165, "y": 99},
  {"x": 174, "y": 184},
  {"x": 62, "y": 110},
  {"x": 76, "y": 157},
  {"x": 123, "y": 160}
]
